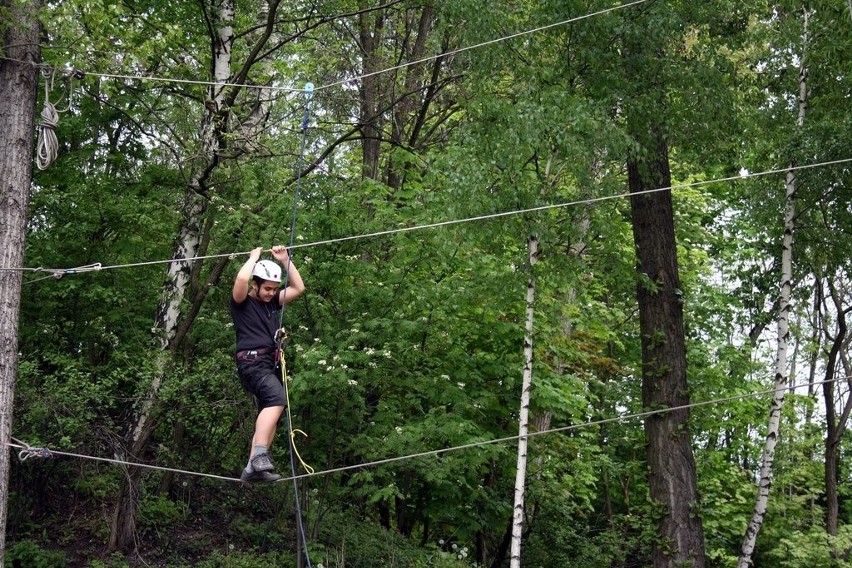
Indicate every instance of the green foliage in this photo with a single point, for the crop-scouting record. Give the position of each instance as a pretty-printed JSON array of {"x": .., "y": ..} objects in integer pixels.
[
  {"x": 801, "y": 549},
  {"x": 413, "y": 342},
  {"x": 237, "y": 559},
  {"x": 727, "y": 496},
  {"x": 567, "y": 541},
  {"x": 161, "y": 513},
  {"x": 360, "y": 544},
  {"x": 28, "y": 554},
  {"x": 115, "y": 560}
]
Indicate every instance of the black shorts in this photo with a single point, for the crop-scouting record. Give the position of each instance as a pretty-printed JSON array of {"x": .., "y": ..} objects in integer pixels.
[{"x": 260, "y": 376}]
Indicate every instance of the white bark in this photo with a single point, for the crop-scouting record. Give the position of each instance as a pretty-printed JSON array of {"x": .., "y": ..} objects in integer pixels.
[
  {"x": 178, "y": 276},
  {"x": 523, "y": 429},
  {"x": 18, "y": 85},
  {"x": 189, "y": 233},
  {"x": 782, "y": 330}
]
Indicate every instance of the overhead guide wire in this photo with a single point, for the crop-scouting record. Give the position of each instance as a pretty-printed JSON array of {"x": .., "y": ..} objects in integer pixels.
[
  {"x": 358, "y": 77},
  {"x": 60, "y": 272}
]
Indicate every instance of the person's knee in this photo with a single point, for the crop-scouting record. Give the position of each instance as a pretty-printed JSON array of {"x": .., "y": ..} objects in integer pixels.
[{"x": 276, "y": 410}]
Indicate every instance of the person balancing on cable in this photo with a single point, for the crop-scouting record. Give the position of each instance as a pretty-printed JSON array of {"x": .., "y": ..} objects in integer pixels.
[{"x": 256, "y": 300}]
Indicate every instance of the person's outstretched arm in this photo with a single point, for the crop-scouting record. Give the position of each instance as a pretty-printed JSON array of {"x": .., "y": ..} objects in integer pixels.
[
  {"x": 295, "y": 285},
  {"x": 241, "y": 282}
]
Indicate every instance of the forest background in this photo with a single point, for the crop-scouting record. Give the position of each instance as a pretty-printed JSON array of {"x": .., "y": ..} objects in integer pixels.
[{"x": 413, "y": 341}]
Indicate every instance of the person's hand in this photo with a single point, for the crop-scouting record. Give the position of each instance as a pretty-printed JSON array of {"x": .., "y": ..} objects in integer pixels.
[
  {"x": 280, "y": 253},
  {"x": 255, "y": 253}
]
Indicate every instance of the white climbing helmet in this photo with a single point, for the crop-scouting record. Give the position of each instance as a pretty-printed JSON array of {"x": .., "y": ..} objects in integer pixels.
[{"x": 267, "y": 270}]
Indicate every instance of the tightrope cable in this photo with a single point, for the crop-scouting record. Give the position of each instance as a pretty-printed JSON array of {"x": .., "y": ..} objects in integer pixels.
[
  {"x": 60, "y": 272},
  {"x": 26, "y": 451},
  {"x": 601, "y": 422}
]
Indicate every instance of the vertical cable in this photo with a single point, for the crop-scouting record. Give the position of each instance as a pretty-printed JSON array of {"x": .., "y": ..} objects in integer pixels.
[{"x": 309, "y": 91}]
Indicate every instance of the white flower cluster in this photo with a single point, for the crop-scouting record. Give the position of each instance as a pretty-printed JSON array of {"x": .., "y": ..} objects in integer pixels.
[{"x": 460, "y": 552}]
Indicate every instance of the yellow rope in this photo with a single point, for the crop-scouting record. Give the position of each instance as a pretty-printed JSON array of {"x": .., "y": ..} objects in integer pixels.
[{"x": 293, "y": 431}]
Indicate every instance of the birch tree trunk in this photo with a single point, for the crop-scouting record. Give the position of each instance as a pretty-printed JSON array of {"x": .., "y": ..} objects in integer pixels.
[
  {"x": 18, "y": 84},
  {"x": 123, "y": 527},
  {"x": 782, "y": 331},
  {"x": 523, "y": 428}
]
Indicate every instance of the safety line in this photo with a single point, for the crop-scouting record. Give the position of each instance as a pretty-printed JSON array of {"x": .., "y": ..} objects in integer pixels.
[
  {"x": 358, "y": 77},
  {"x": 291, "y": 432},
  {"x": 26, "y": 451},
  {"x": 60, "y": 272}
]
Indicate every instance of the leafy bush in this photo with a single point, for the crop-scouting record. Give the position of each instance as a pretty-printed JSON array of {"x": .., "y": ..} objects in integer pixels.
[
  {"x": 812, "y": 549},
  {"x": 361, "y": 544},
  {"x": 115, "y": 561},
  {"x": 161, "y": 512},
  {"x": 237, "y": 559},
  {"x": 27, "y": 554}
]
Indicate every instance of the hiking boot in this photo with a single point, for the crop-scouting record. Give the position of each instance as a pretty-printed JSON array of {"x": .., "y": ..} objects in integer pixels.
[
  {"x": 259, "y": 477},
  {"x": 261, "y": 462}
]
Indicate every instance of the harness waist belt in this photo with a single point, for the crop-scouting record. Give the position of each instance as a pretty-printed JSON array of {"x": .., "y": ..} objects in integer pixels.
[{"x": 262, "y": 351}]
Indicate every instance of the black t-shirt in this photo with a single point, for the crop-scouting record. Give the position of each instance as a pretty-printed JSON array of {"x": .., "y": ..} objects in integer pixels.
[{"x": 255, "y": 322}]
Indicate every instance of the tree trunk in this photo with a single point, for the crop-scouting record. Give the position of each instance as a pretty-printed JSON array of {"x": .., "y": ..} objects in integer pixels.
[
  {"x": 251, "y": 126},
  {"x": 404, "y": 112},
  {"x": 772, "y": 432},
  {"x": 672, "y": 477},
  {"x": 166, "y": 325},
  {"x": 18, "y": 84},
  {"x": 815, "y": 342},
  {"x": 520, "y": 476},
  {"x": 835, "y": 425},
  {"x": 782, "y": 331},
  {"x": 370, "y": 39},
  {"x": 482, "y": 549}
]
